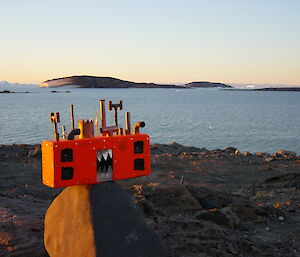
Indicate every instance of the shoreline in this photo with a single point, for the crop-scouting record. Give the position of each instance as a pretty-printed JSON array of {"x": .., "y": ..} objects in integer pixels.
[
  {"x": 200, "y": 202},
  {"x": 279, "y": 153}
]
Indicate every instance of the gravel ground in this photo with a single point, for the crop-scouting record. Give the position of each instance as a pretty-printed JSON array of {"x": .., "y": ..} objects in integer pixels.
[{"x": 200, "y": 202}]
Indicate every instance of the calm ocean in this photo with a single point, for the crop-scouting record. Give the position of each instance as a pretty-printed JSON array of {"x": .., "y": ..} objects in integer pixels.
[{"x": 210, "y": 118}]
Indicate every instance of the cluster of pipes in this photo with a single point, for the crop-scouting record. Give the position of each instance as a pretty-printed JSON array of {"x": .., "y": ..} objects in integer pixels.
[{"x": 86, "y": 127}]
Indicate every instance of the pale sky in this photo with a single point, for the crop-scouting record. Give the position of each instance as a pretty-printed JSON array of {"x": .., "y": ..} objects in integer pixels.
[{"x": 161, "y": 41}]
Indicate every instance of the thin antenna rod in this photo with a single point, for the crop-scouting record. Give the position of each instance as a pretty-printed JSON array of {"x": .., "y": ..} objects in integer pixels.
[
  {"x": 127, "y": 123},
  {"x": 56, "y": 134},
  {"x": 102, "y": 113},
  {"x": 72, "y": 116}
]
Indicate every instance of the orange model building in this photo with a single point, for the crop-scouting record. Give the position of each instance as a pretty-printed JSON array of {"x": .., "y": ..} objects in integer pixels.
[{"x": 80, "y": 157}]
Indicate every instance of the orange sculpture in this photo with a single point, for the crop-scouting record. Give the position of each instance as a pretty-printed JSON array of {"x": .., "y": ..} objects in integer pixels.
[{"x": 87, "y": 159}]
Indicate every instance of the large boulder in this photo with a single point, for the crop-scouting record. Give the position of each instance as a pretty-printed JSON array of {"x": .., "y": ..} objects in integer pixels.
[{"x": 98, "y": 220}]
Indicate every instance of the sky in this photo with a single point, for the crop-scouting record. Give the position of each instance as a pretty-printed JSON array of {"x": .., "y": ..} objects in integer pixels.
[{"x": 160, "y": 41}]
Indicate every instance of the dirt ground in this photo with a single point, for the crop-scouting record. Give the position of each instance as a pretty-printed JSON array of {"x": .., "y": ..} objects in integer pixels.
[{"x": 200, "y": 202}]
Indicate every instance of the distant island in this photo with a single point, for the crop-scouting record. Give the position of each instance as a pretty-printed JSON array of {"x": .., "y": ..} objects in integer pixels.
[
  {"x": 11, "y": 92},
  {"x": 297, "y": 89},
  {"x": 206, "y": 84},
  {"x": 108, "y": 82},
  {"x": 279, "y": 89}
]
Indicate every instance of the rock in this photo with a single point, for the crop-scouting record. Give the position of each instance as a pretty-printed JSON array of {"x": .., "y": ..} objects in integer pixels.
[
  {"x": 207, "y": 204},
  {"x": 290, "y": 210},
  {"x": 203, "y": 153},
  {"x": 249, "y": 190},
  {"x": 98, "y": 220},
  {"x": 154, "y": 147},
  {"x": 246, "y": 153},
  {"x": 147, "y": 207},
  {"x": 175, "y": 148},
  {"x": 176, "y": 198},
  {"x": 237, "y": 152},
  {"x": 223, "y": 217},
  {"x": 20, "y": 191},
  {"x": 36, "y": 151},
  {"x": 230, "y": 150},
  {"x": 260, "y": 154},
  {"x": 287, "y": 153},
  {"x": 250, "y": 211},
  {"x": 268, "y": 159},
  {"x": 21, "y": 228},
  {"x": 277, "y": 155},
  {"x": 31, "y": 153}
]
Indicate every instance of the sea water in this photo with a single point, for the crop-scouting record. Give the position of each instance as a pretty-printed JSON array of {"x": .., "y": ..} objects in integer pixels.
[{"x": 255, "y": 121}]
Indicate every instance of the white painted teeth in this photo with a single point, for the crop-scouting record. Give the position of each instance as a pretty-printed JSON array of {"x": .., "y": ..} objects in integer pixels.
[{"x": 104, "y": 161}]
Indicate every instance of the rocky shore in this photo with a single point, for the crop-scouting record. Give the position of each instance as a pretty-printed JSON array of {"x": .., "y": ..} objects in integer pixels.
[{"x": 200, "y": 202}]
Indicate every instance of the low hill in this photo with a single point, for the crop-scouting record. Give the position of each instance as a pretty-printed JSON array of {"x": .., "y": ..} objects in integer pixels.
[
  {"x": 108, "y": 82},
  {"x": 207, "y": 84},
  {"x": 100, "y": 82}
]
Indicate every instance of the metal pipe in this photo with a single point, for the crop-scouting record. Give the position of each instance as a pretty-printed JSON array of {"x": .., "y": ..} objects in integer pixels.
[
  {"x": 116, "y": 107},
  {"x": 120, "y": 103},
  {"x": 72, "y": 117},
  {"x": 55, "y": 118},
  {"x": 109, "y": 105},
  {"x": 127, "y": 123},
  {"x": 120, "y": 131},
  {"x": 97, "y": 124},
  {"x": 137, "y": 126},
  {"x": 63, "y": 130},
  {"x": 116, "y": 117},
  {"x": 73, "y": 133},
  {"x": 56, "y": 134},
  {"x": 102, "y": 113}
]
